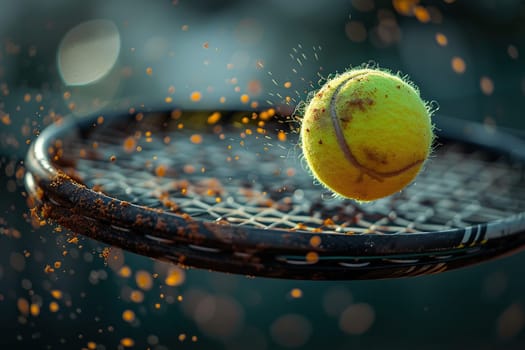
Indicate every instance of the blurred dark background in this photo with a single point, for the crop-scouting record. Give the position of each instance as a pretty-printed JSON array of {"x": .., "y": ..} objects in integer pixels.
[{"x": 65, "y": 58}]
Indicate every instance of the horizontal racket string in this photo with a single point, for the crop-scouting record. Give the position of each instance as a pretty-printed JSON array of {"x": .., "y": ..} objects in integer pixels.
[{"x": 259, "y": 180}]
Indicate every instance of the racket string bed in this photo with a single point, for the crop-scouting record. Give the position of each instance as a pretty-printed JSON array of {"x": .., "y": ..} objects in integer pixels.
[{"x": 273, "y": 190}]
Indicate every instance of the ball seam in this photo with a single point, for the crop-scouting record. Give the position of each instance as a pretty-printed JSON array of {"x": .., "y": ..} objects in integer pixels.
[{"x": 345, "y": 147}]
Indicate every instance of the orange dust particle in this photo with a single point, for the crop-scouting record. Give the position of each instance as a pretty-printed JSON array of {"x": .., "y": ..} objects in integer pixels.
[
  {"x": 185, "y": 27},
  {"x": 315, "y": 241},
  {"x": 458, "y": 65},
  {"x": 404, "y": 7},
  {"x": 34, "y": 309},
  {"x": 254, "y": 104},
  {"x": 421, "y": 14},
  {"x": 53, "y": 306},
  {"x": 100, "y": 120},
  {"x": 171, "y": 89},
  {"x": 127, "y": 342},
  {"x": 125, "y": 272},
  {"x": 182, "y": 337},
  {"x": 129, "y": 144},
  {"x": 281, "y": 136},
  {"x": 176, "y": 114},
  {"x": 137, "y": 296},
  {"x": 128, "y": 315},
  {"x": 222, "y": 99},
  {"x": 20, "y": 173},
  {"x": 57, "y": 264},
  {"x": 157, "y": 306},
  {"x": 175, "y": 277},
  {"x": 266, "y": 115},
  {"x": 143, "y": 280},
  {"x": 23, "y": 306},
  {"x": 149, "y": 71},
  {"x": 312, "y": 257},
  {"x": 195, "y": 96},
  {"x": 206, "y": 45},
  {"x": 245, "y": 98},
  {"x": 160, "y": 170},
  {"x": 196, "y": 139},
  {"x": 92, "y": 345},
  {"x": 73, "y": 240},
  {"x": 168, "y": 99},
  {"x": 441, "y": 39},
  {"x": 113, "y": 158},
  {"x": 287, "y": 84},
  {"x": 48, "y": 269},
  {"x": 487, "y": 85},
  {"x": 214, "y": 118},
  {"x": 6, "y": 119},
  {"x": 105, "y": 254},
  {"x": 296, "y": 293},
  {"x": 57, "y": 294},
  {"x": 27, "y": 98},
  {"x": 328, "y": 222}
]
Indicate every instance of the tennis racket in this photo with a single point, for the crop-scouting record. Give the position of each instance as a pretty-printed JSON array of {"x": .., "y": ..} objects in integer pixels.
[{"x": 228, "y": 191}]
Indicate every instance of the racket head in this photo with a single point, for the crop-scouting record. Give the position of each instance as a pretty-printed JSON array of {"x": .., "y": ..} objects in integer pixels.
[{"x": 228, "y": 191}]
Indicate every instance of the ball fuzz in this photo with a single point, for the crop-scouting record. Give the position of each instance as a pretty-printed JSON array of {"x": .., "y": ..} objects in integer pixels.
[{"x": 366, "y": 134}]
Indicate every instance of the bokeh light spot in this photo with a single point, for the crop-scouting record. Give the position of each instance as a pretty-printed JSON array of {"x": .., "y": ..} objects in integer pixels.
[
  {"x": 291, "y": 330},
  {"x": 356, "y": 31},
  {"x": 511, "y": 321},
  {"x": 88, "y": 52},
  {"x": 357, "y": 318}
]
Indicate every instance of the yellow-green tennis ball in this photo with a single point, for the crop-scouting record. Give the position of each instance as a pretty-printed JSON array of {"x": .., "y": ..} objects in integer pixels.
[{"x": 366, "y": 134}]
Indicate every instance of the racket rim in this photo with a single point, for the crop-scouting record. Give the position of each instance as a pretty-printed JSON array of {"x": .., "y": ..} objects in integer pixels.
[{"x": 42, "y": 173}]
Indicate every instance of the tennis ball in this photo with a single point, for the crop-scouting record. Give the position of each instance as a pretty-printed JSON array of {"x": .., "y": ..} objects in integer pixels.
[{"x": 366, "y": 134}]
